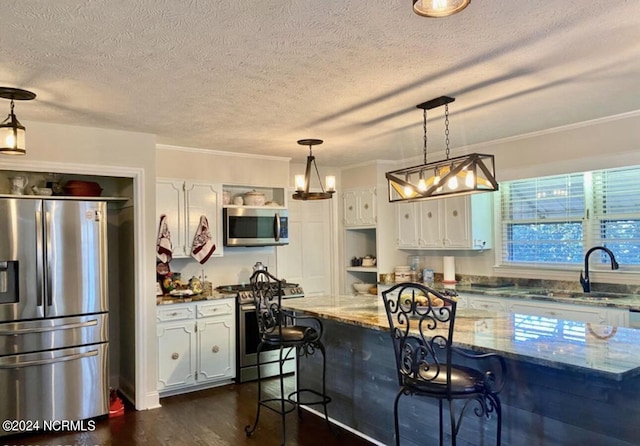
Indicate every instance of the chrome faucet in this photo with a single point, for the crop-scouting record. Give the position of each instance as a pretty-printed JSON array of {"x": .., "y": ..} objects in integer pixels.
[{"x": 584, "y": 281}]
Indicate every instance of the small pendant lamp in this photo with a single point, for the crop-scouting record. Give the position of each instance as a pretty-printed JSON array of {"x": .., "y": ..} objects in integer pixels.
[
  {"x": 303, "y": 181},
  {"x": 12, "y": 133}
]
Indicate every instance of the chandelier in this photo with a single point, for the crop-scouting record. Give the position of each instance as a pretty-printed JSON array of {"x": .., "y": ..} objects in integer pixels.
[
  {"x": 12, "y": 133},
  {"x": 303, "y": 182},
  {"x": 461, "y": 175},
  {"x": 439, "y": 8}
]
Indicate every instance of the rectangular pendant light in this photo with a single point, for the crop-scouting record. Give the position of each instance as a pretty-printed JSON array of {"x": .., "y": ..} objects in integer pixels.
[{"x": 463, "y": 175}]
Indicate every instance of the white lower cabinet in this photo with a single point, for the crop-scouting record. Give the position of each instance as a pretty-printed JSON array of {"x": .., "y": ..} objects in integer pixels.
[
  {"x": 196, "y": 345},
  {"x": 487, "y": 303},
  {"x": 574, "y": 312},
  {"x": 550, "y": 309}
]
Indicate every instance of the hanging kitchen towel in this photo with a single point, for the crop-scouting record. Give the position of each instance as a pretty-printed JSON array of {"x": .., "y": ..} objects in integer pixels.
[
  {"x": 203, "y": 245},
  {"x": 164, "y": 249}
]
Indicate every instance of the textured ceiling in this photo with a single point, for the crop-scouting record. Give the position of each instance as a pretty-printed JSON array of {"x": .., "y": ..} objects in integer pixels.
[{"x": 257, "y": 76}]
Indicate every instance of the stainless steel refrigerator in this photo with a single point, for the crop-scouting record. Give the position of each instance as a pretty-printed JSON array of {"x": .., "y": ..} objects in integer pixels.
[{"x": 53, "y": 310}]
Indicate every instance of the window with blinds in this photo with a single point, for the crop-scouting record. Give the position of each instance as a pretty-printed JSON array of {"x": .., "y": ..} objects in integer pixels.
[{"x": 555, "y": 220}]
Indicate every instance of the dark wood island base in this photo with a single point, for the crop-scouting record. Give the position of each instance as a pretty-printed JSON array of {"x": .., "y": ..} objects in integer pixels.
[{"x": 542, "y": 404}]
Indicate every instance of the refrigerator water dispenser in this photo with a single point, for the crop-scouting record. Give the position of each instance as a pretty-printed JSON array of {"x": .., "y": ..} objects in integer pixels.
[{"x": 8, "y": 281}]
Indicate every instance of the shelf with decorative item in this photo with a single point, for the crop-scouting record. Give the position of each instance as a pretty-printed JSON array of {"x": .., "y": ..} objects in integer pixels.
[
  {"x": 253, "y": 196},
  {"x": 363, "y": 269}
]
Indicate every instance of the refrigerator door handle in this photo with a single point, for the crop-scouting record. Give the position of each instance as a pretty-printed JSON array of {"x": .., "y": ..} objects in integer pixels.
[
  {"x": 21, "y": 331},
  {"x": 40, "y": 266},
  {"x": 46, "y": 265},
  {"x": 19, "y": 365}
]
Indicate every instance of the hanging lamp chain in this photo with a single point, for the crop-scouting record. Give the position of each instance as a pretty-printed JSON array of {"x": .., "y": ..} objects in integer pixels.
[
  {"x": 446, "y": 127},
  {"x": 424, "y": 127}
]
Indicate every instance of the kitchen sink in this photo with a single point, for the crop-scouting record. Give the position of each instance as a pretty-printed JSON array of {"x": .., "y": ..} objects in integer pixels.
[{"x": 574, "y": 294}]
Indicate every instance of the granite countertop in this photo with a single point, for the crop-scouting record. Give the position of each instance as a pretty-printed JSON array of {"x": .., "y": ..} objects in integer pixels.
[
  {"x": 169, "y": 300},
  {"x": 601, "y": 299},
  {"x": 609, "y": 352}
]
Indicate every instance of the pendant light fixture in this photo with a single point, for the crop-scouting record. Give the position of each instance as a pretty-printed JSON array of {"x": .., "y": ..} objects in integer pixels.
[
  {"x": 439, "y": 8},
  {"x": 462, "y": 175},
  {"x": 303, "y": 181},
  {"x": 12, "y": 133}
]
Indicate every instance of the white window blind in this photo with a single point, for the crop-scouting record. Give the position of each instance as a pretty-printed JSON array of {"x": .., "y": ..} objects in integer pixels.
[
  {"x": 614, "y": 221},
  {"x": 555, "y": 220},
  {"x": 542, "y": 220}
]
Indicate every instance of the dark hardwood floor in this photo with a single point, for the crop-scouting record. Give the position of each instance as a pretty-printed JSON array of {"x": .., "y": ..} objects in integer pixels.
[{"x": 214, "y": 417}]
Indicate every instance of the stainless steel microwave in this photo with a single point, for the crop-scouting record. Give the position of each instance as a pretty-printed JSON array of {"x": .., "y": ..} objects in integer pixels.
[{"x": 255, "y": 227}]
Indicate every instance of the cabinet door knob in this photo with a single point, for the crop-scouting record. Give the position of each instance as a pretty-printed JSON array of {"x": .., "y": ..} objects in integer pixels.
[
  {"x": 406, "y": 216},
  {"x": 215, "y": 349},
  {"x": 175, "y": 356},
  {"x": 429, "y": 214},
  {"x": 366, "y": 206},
  {"x": 455, "y": 213},
  {"x": 351, "y": 208}
]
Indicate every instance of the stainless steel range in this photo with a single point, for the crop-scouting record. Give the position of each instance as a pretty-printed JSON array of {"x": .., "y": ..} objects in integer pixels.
[{"x": 248, "y": 338}]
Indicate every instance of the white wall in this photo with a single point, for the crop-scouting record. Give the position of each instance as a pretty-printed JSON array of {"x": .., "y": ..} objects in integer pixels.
[{"x": 93, "y": 151}]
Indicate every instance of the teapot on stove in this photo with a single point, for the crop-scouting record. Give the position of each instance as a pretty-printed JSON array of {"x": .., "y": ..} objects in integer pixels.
[{"x": 259, "y": 267}]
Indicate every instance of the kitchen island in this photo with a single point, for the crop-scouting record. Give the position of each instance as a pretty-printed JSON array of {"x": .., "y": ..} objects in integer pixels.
[{"x": 568, "y": 382}]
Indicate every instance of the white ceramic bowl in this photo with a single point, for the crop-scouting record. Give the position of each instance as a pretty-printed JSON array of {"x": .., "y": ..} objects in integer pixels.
[
  {"x": 362, "y": 288},
  {"x": 254, "y": 198},
  {"x": 45, "y": 191}
]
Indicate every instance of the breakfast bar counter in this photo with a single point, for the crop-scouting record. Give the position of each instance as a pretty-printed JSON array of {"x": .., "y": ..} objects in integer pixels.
[{"x": 568, "y": 382}]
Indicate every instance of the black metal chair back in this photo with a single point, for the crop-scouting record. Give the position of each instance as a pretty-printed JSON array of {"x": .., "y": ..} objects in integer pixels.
[
  {"x": 267, "y": 295},
  {"x": 293, "y": 335},
  {"x": 421, "y": 322}
]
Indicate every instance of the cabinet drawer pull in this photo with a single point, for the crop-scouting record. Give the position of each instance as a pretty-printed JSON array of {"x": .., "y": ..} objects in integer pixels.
[
  {"x": 215, "y": 349},
  {"x": 175, "y": 356},
  {"x": 175, "y": 313}
]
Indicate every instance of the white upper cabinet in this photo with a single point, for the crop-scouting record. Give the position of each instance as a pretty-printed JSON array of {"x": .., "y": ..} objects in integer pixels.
[
  {"x": 463, "y": 222},
  {"x": 359, "y": 207},
  {"x": 407, "y": 223},
  {"x": 184, "y": 202}
]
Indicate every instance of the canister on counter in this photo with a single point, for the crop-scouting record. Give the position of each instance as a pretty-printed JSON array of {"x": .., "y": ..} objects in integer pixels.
[
  {"x": 403, "y": 274},
  {"x": 427, "y": 276}
]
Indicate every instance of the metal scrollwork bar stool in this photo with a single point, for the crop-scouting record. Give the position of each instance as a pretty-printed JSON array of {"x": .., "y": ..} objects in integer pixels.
[
  {"x": 422, "y": 326},
  {"x": 288, "y": 332}
]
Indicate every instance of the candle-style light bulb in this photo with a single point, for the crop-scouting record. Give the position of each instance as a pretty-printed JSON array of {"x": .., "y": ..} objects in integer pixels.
[
  {"x": 330, "y": 181},
  {"x": 422, "y": 184},
  {"x": 453, "y": 182},
  {"x": 299, "y": 180},
  {"x": 469, "y": 180}
]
